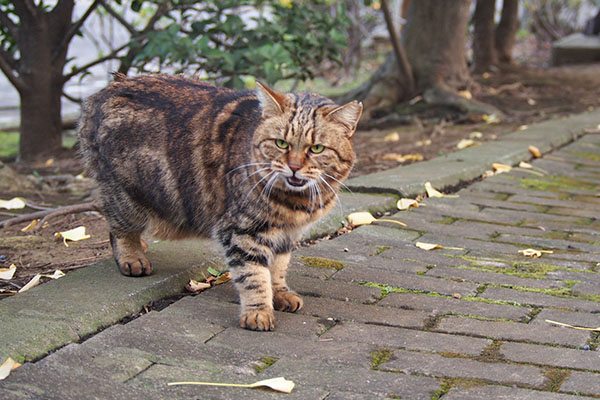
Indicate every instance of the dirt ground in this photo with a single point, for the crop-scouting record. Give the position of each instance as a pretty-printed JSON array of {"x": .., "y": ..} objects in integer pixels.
[{"x": 524, "y": 95}]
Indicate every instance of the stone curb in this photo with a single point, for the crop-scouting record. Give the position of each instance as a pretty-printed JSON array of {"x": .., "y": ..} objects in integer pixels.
[{"x": 85, "y": 301}]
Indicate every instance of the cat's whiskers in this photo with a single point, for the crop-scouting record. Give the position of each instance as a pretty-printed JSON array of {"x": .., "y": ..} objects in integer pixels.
[
  {"x": 338, "y": 181},
  {"x": 247, "y": 165},
  {"x": 254, "y": 173},
  {"x": 337, "y": 198},
  {"x": 254, "y": 187},
  {"x": 269, "y": 186}
]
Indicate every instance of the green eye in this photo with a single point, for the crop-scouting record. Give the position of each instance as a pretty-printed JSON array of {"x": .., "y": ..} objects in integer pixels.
[
  {"x": 282, "y": 144},
  {"x": 317, "y": 148}
]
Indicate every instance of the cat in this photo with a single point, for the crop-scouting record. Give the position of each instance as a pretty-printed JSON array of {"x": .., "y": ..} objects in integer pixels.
[{"x": 251, "y": 169}]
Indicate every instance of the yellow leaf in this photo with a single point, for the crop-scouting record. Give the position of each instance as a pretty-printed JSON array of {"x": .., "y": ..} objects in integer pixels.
[
  {"x": 366, "y": 218},
  {"x": 49, "y": 162},
  {"x": 490, "y": 118},
  {"x": 57, "y": 274},
  {"x": 286, "y": 3},
  {"x": 500, "y": 168},
  {"x": 402, "y": 158},
  {"x": 75, "y": 235},
  {"x": 279, "y": 384},
  {"x": 427, "y": 246},
  {"x": 535, "y": 151},
  {"x": 196, "y": 287},
  {"x": 523, "y": 127},
  {"x": 13, "y": 204},
  {"x": 475, "y": 135},
  {"x": 466, "y": 94},
  {"x": 523, "y": 164},
  {"x": 421, "y": 143},
  {"x": 432, "y": 246},
  {"x": 31, "y": 225},
  {"x": 392, "y": 137},
  {"x": 431, "y": 192},
  {"x": 534, "y": 253},
  {"x": 405, "y": 204},
  {"x": 8, "y": 366},
  {"x": 376, "y": 5},
  {"x": 8, "y": 273},
  {"x": 486, "y": 75},
  {"x": 361, "y": 218},
  {"x": 464, "y": 143},
  {"x": 583, "y": 328},
  {"x": 226, "y": 277},
  {"x": 33, "y": 282}
]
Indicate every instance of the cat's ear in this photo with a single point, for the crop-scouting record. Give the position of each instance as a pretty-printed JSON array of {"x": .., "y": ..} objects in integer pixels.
[
  {"x": 271, "y": 101},
  {"x": 347, "y": 115}
]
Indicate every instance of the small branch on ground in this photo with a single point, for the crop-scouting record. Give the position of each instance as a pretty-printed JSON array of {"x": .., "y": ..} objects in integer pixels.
[{"x": 46, "y": 215}]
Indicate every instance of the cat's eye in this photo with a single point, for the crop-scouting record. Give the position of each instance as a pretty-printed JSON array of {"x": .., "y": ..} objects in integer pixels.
[
  {"x": 317, "y": 148},
  {"x": 282, "y": 144}
]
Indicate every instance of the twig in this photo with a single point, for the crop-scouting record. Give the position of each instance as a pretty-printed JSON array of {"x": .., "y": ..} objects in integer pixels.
[{"x": 47, "y": 214}]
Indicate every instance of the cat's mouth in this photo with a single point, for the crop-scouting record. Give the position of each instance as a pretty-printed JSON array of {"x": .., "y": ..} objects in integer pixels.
[{"x": 296, "y": 182}]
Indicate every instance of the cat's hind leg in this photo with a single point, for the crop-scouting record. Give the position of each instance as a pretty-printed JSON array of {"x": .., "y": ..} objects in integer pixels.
[
  {"x": 128, "y": 251},
  {"x": 127, "y": 222},
  {"x": 284, "y": 299}
]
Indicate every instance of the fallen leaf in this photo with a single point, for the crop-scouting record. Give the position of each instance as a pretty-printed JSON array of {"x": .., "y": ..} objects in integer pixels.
[
  {"x": 361, "y": 218},
  {"x": 421, "y": 143},
  {"x": 535, "y": 151},
  {"x": 523, "y": 164},
  {"x": 8, "y": 366},
  {"x": 534, "y": 253},
  {"x": 278, "y": 384},
  {"x": 13, "y": 204},
  {"x": 531, "y": 102},
  {"x": 490, "y": 118},
  {"x": 583, "y": 328},
  {"x": 433, "y": 246},
  {"x": 500, "y": 168},
  {"x": 75, "y": 235},
  {"x": 49, "y": 162},
  {"x": 57, "y": 274},
  {"x": 405, "y": 204},
  {"x": 33, "y": 282},
  {"x": 466, "y": 94},
  {"x": 402, "y": 158},
  {"x": 431, "y": 192},
  {"x": 196, "y": 287},
  {"x": 464, "y": 143},
  {"x": 7, "y": 292},
  {"x": 392, "y": 137},
  {"x": 31, "y": 225},
  {"x": 486, "y": 75},
  {"x": 366, "y": 218},
  {"x": 226, "y": 277},
  {"x": 415, "y": 100},
  {"x": 523, "y": 127},
  {"x": 457, "y": 295},
  {"x": 8, "y": 273},
  {"x": 475, "y": 135},
  {"x": 213, "y": 271}
]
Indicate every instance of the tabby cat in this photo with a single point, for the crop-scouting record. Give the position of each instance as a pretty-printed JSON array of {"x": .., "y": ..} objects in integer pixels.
[{"x": 251, "y": 169}]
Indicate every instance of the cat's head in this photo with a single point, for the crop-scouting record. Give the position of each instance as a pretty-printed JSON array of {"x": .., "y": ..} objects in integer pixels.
[{"x": 306, "y": 139}]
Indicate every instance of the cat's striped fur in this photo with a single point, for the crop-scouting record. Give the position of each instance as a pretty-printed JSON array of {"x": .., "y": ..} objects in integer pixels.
[{"x": 251, "y": 169}]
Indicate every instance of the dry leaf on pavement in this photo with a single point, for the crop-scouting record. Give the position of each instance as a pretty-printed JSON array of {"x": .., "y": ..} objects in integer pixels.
[
  {"x": 535, "y": 151},
  {"x": 8, "y": 366},
  {"x": 278, "y": 384},
  {"x": 464, "y": 143},
  {"x": 366, "y": 218},
  {"x": 392, "y": 137},
  {"x": 196, "y": 287},
  {"x": 433, "y": 246},
  {"x": 33, "y": 282},
  {"x": 534, "y": 253},
  {"x": 405, "y": 204},
  {"x": 432, "y": 192},
  {"x": 500, "y": 168}
]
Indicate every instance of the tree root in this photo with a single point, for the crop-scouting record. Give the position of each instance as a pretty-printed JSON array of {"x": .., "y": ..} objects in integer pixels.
[{"x": 46, "y": 215}]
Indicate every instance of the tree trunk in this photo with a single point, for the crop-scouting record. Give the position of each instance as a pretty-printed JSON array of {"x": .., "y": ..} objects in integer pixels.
[
  {"x": 507, "y": 30},
  {"x": 434, "y": 39},
  {"x": 484, "y": 50},
  {"x": 41, "y": 67}
]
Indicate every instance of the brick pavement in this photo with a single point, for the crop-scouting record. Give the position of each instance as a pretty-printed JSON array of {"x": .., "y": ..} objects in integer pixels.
[{"x": 393, "y": 321}]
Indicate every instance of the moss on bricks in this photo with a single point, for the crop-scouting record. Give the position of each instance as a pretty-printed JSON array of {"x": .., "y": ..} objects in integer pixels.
[
  {"x": 462, "y": 383},
  {"x": 491, "y": 353},
  {"x": 556, "y": 183},
  {"x": 321, "y": 262},
  {"x": 265, "y": 363},
  {"x": 381, "y": 249},
  {"x": 588, "y": 156},
  {"x": 380, "y": 355},
  {"x": 556, "y": 377}
]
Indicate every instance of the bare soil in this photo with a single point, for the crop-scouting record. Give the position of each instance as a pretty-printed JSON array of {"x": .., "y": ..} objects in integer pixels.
[{"x": 524, "y": 95}]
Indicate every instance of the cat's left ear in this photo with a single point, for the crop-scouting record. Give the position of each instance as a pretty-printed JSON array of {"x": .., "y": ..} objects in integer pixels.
[
  {"x": 347, "y": 115},
  {"x": 271, "y": 100}
]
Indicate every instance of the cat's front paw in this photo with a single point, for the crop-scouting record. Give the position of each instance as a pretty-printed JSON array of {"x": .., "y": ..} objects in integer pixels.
[
  {"x": 135, "y": 266},
  {"x": 258, "y": 320},
  {"x": 287, "y": 301}
]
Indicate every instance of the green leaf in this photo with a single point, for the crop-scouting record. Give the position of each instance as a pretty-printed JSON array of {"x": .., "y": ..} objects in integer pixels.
[{"x": 213, "y": 271}]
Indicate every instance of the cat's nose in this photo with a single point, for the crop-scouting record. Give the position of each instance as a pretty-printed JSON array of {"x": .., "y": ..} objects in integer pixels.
[{"x": 294, "y": 166}]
